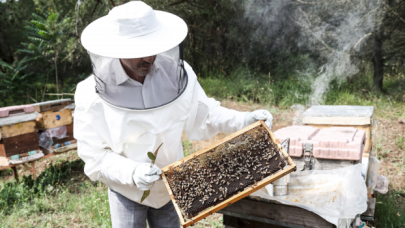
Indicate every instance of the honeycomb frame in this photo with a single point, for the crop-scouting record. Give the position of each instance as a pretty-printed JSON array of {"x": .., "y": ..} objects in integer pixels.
[{"x": 185, "y": 221}]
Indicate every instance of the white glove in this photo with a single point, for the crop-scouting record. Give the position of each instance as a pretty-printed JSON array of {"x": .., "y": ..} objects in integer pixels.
[
  {"x": 257, "y": 115},
  {"x": 144, "y": 176}
]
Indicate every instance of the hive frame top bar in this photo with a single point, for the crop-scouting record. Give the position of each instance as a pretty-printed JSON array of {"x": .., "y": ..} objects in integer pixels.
[{"x": 246, "y": 192}]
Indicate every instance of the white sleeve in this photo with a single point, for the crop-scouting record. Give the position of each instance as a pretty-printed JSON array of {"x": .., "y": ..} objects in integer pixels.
[
  {"x": 100, "y": 162},
  {"x": 207, "y": 117}
]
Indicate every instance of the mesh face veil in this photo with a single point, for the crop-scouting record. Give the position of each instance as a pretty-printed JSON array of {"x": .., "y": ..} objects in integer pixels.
[{"x": 171, "y": 75}]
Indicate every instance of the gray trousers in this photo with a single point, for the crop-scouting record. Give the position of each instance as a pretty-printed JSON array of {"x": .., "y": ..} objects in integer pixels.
[{"x": 126, "y": 213}]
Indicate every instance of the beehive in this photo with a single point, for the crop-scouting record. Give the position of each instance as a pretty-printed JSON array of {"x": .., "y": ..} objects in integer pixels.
[
  {"x": 53, "y": 113},
  {"x": 18, "y": 137},
  {"x": 225, "y": 172}
]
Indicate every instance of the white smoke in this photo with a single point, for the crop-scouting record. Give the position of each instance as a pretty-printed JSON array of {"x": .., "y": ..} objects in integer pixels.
[{"x": 334, "y": 29}]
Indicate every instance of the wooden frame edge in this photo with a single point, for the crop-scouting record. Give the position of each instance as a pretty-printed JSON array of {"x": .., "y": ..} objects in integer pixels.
[{"x": 260, "y": 184}]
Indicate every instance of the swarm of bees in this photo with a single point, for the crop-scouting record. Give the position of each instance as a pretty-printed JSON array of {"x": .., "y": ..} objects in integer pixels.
[{"x": 224, "y": 171}]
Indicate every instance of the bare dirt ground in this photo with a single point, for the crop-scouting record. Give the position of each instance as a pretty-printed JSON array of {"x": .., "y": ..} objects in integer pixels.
[{"x": 388, "y": 142}]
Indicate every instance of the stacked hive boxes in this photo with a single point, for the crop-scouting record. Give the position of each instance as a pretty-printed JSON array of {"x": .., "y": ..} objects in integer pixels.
[
  {"x": 55, "y": 114},
  {"x": 18, "y": 136}
]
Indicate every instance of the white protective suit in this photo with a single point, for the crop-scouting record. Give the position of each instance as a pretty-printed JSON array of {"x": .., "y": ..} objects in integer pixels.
[{"x": 113, "y": 140}]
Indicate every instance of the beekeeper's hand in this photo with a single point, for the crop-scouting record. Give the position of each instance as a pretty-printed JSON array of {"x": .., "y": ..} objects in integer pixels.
[
  {"x": 261, "y": 114},
  {"x": 145, "y": 176}
]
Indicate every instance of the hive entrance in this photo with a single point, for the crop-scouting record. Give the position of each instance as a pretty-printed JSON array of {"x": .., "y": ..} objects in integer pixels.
[{"x": 224, "y": 171}]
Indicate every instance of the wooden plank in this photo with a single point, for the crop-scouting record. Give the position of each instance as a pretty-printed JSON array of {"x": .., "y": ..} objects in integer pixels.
[
  {"x": 337, "y": 120},
  {"x": 65, "y": 148},
  {"x": 246, "y": 192},
  {"x": 54, "y": 119},
  {"x": 176, "y": 206},
  {"x": 52, "y": 107},
  {"x": 2, "y": 151},
  {"x": 21, "y": 144},
  {"x": 366, "y": 128},
  {"x": 15, "y": 173},
  {"x": 17, "y": 129},
  {"x": 235, "y": 222},
  {"x": 278, "y": 212}
]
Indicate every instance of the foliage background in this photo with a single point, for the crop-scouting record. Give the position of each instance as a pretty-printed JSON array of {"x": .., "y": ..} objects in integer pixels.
[{"x": 250, "y": 50}]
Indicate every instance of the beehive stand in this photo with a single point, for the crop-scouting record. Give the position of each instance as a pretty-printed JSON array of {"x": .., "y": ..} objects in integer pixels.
[{"x": 225, "y": 172}]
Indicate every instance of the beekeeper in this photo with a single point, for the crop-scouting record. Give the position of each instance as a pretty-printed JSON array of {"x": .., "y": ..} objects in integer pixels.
[{"x": 141, "y": 94}]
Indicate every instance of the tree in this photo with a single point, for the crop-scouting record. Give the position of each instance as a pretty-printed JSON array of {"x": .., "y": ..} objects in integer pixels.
[
  {"x": 15, "y": 81},
  {"x": 13, "y": 15}
]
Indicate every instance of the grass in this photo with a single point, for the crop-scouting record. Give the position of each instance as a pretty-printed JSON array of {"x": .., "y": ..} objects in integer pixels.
[
  {"x": 296, "y": 89},
  {"x": 65, "y": 198},
  {"x": 390, "y": 210}
]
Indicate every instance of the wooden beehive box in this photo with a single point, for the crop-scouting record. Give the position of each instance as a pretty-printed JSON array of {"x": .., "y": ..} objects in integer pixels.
[
  {"x": 225, "y": 172},
  {"x": 18, "y": 137},
  {"x": 326, "y": 116},
  {"x": 53, "y": 113}
]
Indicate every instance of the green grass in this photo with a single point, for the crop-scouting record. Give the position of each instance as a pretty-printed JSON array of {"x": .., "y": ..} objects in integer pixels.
[
  {"x": 60, "y": 196},
  {"x": 296, "y": 89},
  {"x": 390, "y": 210},
  {"x": 187, "y": 148}
]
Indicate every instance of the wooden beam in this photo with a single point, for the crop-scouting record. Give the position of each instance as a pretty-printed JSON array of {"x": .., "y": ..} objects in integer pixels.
[{"x": 15, "y": 173}]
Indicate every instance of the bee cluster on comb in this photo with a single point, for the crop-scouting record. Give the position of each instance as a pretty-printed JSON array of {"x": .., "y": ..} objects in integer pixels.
[{"x": 214, "y": 176}]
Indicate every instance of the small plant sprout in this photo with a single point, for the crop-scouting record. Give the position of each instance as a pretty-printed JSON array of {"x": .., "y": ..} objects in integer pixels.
[{"x": 152, "y": 157}]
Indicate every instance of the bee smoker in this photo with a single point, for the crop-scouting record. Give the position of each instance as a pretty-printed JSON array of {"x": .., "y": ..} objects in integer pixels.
[{"x": 280, "y": 186}]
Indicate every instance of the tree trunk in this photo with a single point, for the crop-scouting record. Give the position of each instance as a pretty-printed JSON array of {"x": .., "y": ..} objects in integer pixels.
[
  {"x": 378, "y": 61},
  {"x": 56, "y": 73}
]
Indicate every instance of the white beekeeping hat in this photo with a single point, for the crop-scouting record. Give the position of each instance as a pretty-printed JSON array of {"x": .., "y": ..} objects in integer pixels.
[{"x": 134, "y": 30}]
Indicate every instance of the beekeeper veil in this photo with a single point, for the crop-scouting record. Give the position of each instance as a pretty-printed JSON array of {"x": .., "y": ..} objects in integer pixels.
[{"x": 135, "y": 30}]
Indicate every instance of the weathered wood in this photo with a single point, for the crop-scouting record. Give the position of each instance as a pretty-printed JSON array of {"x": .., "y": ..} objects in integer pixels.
[
  {"x": 2, "y": 151},
  {"x": 337, "y": 120},
  {"x": 54, "y": 119},
  {"x": 246, "y": 192},
  {"x": 235, "y": 222},
  {"x": 32, "y": 169},
  {"x": 51, "y": 106},
  {"x": 17, "y": 129},
  {"x": 65, "y": 148},
  {"x": 15, "y": 173},
  {"x": 14, "y": 166},
  {"x": 21, "y": 144},
  {"x": 278, "y": 212},
  {"x": 366, "y": 128}
]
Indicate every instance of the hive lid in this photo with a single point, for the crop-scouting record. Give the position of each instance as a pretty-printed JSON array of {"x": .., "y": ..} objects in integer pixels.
[
  {"x": 18, "y": 119},
  {"x": 51, "y": 102},
  {"x": 338, "y": 115},
  {"x": 16, "y": 110}
]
